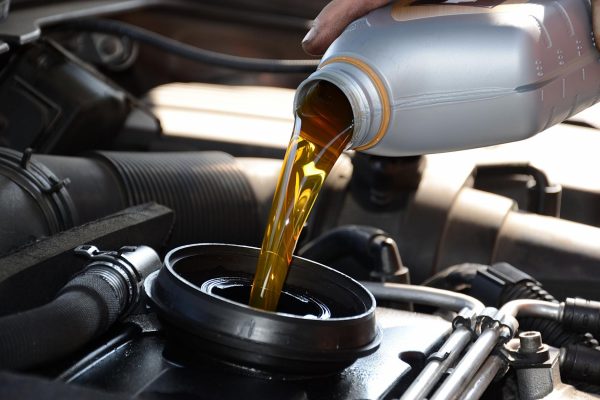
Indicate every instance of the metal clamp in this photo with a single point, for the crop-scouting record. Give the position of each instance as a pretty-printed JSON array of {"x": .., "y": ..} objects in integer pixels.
[
  {"x": 467, "y": 318},
  {"x": 133, "y": 264}
]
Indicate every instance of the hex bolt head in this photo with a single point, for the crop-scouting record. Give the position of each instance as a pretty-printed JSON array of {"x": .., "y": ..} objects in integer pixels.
[{"x": 530, "y": 341}]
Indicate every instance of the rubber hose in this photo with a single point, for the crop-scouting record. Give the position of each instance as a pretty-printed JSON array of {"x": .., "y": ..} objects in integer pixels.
[
  {"x": 212, "y": 198},
  {"x": 211, "y": 194},
  {"x": 581, "y": 363},
  {"x": 552, "y": 332},
  {"x": 582, "y": 315},
  {"x": 194, "y": 53},
  {"x": 84, "y": 309}
]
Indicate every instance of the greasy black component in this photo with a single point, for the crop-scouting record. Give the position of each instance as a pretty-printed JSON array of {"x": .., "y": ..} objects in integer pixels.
[
  {"x": 55, "y": 103},
  {"x": 85, "y": 308},
  {"x": 581, "y": 315},
  {"x": 383, "y": 183},
  {"x": 193, "y": 53},
  {"x": 209, "y": 192},
  {"x": 372, "y": 249},
  {"x": 93, "y": 187},
  {"x": 501, "y": 283},
  {"x": 543, "y": 198},
  {"x": 124, "y": 334},
  {"x": 456, "y": 277},
  {"x": 34, "y": 201},
  {"x": 108, "y": 289},
  {"x": 27, "y": 387},
  {"x": 49, "y": 263},
  {"x": 580, "y": 363},
  {"x": 493, "y": 285},
  {"x": 139, "y": 368},
  {"x": 211, "y": 195},
  {"x": 212, "y": 198},
  {"x": 202, "y": 323}
]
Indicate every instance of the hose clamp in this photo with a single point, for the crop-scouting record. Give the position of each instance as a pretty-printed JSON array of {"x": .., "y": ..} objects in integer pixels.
[{"x": 132, "y": 264}]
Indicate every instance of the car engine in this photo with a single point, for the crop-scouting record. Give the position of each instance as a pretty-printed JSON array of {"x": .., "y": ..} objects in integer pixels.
[{"x": 140, "y": 146}]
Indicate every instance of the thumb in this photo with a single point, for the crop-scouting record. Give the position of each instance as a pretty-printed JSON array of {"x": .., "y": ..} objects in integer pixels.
[{"x": 333, "y": 19}]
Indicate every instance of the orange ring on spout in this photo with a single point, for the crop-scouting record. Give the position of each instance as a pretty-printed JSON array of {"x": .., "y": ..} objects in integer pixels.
[{"x": 381, "y": 91}]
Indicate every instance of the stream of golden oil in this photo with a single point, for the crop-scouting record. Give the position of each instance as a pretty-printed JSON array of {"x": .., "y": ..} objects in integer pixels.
[{"x": 323, "y": 129}]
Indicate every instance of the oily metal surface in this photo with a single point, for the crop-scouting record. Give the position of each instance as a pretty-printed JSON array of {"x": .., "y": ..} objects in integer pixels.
[{"x": 139, "y": 368}]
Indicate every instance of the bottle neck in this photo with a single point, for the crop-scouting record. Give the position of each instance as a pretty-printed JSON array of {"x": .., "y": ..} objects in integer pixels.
[{"x": 362, "y": 94}]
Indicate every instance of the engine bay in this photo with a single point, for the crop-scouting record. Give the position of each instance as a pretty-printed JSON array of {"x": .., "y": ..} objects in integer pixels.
[{"x": 141, "y": 143}]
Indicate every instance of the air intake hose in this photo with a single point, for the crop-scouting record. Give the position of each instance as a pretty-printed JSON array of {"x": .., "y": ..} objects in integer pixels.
[{"x": 213, "y": 196}]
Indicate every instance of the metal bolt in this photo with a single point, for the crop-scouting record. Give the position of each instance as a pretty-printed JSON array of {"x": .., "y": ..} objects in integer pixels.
[{"x": 530, "y": 341}]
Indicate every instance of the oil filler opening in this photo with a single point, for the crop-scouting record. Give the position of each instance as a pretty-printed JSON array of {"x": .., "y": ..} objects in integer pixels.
[
  {"x": 325, "y": 321},
  {"x": 292, "y": 301}
]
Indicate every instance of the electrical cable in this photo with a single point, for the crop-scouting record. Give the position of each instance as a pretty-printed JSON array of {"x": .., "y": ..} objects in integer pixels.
[{"x": 191, "y": 52}]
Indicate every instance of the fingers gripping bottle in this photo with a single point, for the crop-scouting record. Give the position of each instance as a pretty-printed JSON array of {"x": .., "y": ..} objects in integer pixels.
[{"x": 425, "y": 78}]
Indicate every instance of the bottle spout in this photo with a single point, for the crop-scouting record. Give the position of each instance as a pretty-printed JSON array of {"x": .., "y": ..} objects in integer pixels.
[{"x": 363, "y": 94}]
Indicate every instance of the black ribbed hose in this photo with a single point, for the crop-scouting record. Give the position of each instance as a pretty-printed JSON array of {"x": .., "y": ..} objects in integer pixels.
[
  {"x": 500, "y": 283},
  {"x": 211, "y": 196},
  {"x": 84, "y": 309},
  {"x": 553, "y": 333}
]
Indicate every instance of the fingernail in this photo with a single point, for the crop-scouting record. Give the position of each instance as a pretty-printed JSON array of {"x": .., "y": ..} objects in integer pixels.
[{"x": 309, "y": 36}]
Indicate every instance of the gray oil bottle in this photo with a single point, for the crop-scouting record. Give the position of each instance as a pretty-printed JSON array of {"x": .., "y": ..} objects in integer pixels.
[{"x": 425, "y": 78}]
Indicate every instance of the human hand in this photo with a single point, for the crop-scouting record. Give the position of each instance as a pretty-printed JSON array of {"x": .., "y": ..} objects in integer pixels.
[
  {"x": 332, "y": 21},
  {"x": 334, "y": 18}
]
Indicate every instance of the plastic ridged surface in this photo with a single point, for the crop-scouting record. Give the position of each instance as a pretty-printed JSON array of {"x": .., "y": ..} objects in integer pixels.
[
  {"x": 208, "y": 192},
  {"x": 469, "y": 75}
]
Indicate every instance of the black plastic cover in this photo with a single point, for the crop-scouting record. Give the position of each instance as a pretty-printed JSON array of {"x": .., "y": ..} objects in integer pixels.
[{"x": 275, "y": 341}]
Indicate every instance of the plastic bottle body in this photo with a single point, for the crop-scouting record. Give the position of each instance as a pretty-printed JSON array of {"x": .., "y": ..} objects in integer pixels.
[{"x": 433, "y": 78}]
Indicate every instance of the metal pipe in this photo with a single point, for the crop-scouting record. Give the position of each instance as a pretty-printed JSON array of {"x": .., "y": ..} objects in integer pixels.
[
  {"x": 468, "y": 365},
  {"x": 483, "y": 378},
  {"x": 436, "y": 367},
  {"x": 423, "y": 295},
  {"x": 533, "y": 308},
  {"x": 483, "y": 346}
]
